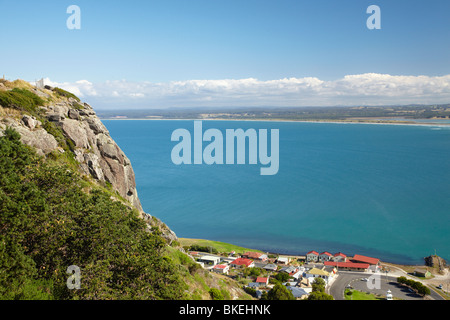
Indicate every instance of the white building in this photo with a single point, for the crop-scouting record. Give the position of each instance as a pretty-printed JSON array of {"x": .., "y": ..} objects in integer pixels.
[
  {"x": 339, "y": 257},
  {"x": 312, "y": 256},
  {"x": 209, "y": 260},
  {"x": 318, "y": 273},
  {"x": 221, "y": 268},
  {"x": 325, "y": 256}
]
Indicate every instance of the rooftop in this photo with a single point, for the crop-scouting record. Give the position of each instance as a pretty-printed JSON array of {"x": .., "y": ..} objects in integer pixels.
[
  {"x": 318, "y": 272},
  {"x": 347, "y": 264},
  {"x": 253, "y": 255},
  {"x": 365, "y": 259},
  {"x": 242, "y": 262}
]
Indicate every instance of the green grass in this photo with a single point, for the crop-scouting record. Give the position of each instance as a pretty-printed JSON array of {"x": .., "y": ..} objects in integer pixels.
[
  {"x": 65, "y": 93},
  {"x": 21, "y": 99},
  {"x": 219, "y": 246},
  {"x": 359, "y": 295}
]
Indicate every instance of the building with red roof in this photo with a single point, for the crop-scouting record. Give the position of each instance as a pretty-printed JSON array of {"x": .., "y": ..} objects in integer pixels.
[
  {"x": 352, "y": 266},
  {"x": 242, "y": 262},
  {"x": 363, "y": 259},
  {"x": 339, "y": 257},
  {"x": 312, "y": 256},
  {"x": 221, "y": 268},
  {"x": 255, "y": 255},
  {"x": 325, "y": 256},
  {"x": 262, "y": 281}
]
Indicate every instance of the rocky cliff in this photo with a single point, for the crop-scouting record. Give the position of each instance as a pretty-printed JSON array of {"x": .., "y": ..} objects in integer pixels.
[{"x": 60, "y": 124}]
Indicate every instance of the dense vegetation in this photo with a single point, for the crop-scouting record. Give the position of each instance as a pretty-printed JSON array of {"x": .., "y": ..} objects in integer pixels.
[
  {"x": 415, "y": 285},
  {"x": 20, "y": 99},
  {"x": 51, "y": 218},
  {"x": 63, "y": 93},
  {"x": 318, "y": 291}
]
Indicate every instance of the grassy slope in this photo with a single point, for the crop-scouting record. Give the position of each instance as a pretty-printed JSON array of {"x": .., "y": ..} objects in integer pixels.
[{"x": 220, "y": 246}]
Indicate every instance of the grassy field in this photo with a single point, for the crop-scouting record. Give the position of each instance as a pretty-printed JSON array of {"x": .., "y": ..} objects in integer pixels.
[
  {"x": 358, "y": 295},
  {"x": 219, "y": 246}
]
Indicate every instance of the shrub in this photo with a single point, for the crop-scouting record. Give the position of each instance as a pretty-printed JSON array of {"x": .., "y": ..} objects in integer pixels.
[
  {"x": 416, "y": 285},
  {"x": 250, "y": 291},
  {"x": 21, "y": 99},
  {"x": 280, "y": 292},
  {"x": 64, "y": 93},
  {"x": 216, "y": 294},
  {"x": 49, "y": 223}
]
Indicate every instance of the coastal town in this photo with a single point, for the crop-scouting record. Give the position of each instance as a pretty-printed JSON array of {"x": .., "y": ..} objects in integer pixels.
[{"x": 341, "y": 274}]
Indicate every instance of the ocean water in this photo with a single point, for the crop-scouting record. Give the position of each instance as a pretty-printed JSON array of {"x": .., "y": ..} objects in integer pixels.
[{"x": 372, "y": 189}]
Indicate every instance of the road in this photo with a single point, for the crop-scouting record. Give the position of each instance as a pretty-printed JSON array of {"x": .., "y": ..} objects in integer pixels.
[{"x": 385, "y": 283}]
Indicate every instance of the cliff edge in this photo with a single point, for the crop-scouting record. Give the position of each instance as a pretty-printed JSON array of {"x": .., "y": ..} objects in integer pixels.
[{"x": 56, "y": 123}]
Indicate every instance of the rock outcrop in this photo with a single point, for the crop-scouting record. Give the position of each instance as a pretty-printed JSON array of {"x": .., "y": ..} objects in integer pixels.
[
  {"x": 65, "y": 124},
  {"x": 97, "y": 153}
]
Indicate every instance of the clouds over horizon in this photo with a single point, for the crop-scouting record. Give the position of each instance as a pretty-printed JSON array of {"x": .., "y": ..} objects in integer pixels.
[{"x": 361, "y": 89}]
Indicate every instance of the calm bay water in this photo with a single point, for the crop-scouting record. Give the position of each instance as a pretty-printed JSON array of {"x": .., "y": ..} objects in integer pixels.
[{"x": 377, "y": 190}]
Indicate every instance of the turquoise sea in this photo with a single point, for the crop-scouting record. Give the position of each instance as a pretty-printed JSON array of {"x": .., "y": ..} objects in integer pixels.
[{"x": 373, "y": 189}]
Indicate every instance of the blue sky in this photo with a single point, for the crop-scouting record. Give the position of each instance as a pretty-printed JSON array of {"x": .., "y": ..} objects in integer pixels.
[{"x": 132, "y": 43}]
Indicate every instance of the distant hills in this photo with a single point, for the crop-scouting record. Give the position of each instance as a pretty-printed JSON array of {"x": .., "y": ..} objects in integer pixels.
[{"x": 336, "y": 113}]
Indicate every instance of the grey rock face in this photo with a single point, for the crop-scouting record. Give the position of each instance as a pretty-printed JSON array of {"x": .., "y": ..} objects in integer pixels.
[
  {"x": 74, "y": 114},
  {"x": 98, "y": 154},
  {"x": 41, "y": 140}
]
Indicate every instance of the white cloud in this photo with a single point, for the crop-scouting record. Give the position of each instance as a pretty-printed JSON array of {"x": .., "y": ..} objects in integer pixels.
[{"x": 361, "y": 89}]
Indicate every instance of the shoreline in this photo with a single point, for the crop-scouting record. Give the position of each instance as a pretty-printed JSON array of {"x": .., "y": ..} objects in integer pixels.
[
  {"x": 444, "y": 125},
  {"x": 297, "y": 255}
]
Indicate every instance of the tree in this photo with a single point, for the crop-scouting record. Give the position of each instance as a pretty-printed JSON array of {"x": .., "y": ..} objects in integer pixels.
[
  {"x": 318, "y": 285},
  {"x": 318, "y": 290},
  {"x": 280, "y": 292},
  {"x": 282, "y": 277},
  {"x": 318, "y": 295},
  {"x": 416, "y": 285}
]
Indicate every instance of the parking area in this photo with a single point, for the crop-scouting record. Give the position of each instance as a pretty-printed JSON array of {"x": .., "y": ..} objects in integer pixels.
[{"x": 378, "y": 286}]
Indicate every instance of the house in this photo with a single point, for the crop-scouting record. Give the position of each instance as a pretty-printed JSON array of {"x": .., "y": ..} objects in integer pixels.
[
  {"x": 195, "y": 254},
  {"x": 349, "y": 266},
  {"x": 339, "y": 257},
  {"x": 270, "y": 267},
  {"x": 209, "y": 260},
  {"x": 283, "y": 260},
  {"x": 325, "y": 256},
  {"x": 262, "y": 281},
  {"x": 330, "y": 269},
  {"x": 312, "y": 256},
  {"x": 299, "y": 293},
  {"x": 318, "y": 273},
  {"x": 227, "y": 259},
  {"x": 312, "y": 265},
  {"x": 363, "y": 259},
  {"x": 221, "y": 268},
  {"x": 421, "y": 272},
  {"x": 255, "y": 256},
  {"x": 298, "y": 275},
  {"x": 242, "y": 262},
  {"x": 289, "y": 270}
]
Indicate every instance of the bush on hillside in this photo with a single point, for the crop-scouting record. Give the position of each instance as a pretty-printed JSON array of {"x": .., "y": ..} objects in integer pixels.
[{"x": 48, "y": 223}]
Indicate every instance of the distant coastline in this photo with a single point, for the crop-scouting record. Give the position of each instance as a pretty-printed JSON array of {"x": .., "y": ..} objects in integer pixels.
[{"x": 407, "y": 123}]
